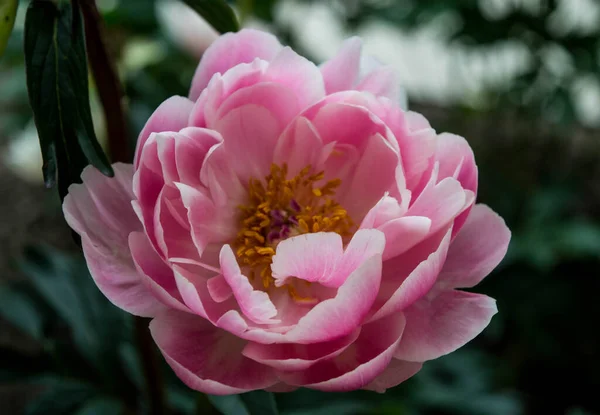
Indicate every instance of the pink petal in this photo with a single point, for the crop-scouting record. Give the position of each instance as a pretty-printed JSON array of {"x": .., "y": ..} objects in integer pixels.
[
  {"x": 99, "y": 210},
  {"x": 219, "y": 289},
  {"x": 230, "y": 50},
  {"x": 438, "y": 326},
  {"x": 359, "y": 364},
  {"x": 418, "y": 283},
  {"x": 171, "y": 115},
  {"x": 397, "y": 372},
  {"x": 191, "y": 148},
  {"x": 477, "y": 249},
  {"x": 279, "y": 100},
  {"x": 206, "y": 358},
  {"x": 385, "y": 210},
  {"x": 382, "y": 81},
  {"x": 255, "y": 304},
  {"x": 341, "y": 315},
  {"x": 293, "y": 357},
  {"x": 249, "y": 136},
  {"x": 297, "y": 73},
  {"x": 298, "y": 147},
  {"x": 219, "y": 176},
  {"x": 341, "y": 72},
  {"x": 441, "y": 203},
  {"x": 403, "y": 233},
  {"x": 157, "y": 275},
  {"x": 373, "y": 175},
  {"x": 320, "y": 257}
]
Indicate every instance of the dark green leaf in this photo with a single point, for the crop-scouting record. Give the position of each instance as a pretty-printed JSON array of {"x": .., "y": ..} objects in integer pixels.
[
  {"x": 57, "y": 83},
  {"x": 260, "y": 403},
  {"x": 8, "y": 11},
  {"x": 59, "y": 397},
  {"x": 229, "y": 404},
  {"x": 101, "y": 406},
  {"x": 19, "y": 310},
  {"x": 217, "y": 13}
]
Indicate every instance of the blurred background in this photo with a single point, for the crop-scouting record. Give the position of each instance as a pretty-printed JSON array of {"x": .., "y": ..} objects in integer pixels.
[{"x": 520, "y": 79}]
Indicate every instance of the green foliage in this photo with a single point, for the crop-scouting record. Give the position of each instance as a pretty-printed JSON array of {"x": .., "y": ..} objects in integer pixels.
[
  {"x": 217, "y": 13},
  {"x": 8, "y": 11},
  {"x": 57, "y": 80}
]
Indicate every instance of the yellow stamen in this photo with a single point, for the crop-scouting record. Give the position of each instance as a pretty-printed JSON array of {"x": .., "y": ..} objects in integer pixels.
[{"x": 279, "y": 207}]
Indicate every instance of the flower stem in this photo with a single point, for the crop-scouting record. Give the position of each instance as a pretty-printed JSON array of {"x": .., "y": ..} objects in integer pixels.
[
  {"x": 107, "y": 82},
  {"x": 151, "y": 366}
]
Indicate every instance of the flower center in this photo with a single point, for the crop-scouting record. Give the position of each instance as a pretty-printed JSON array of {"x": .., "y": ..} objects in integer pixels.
[{"x": 279, "y": 208}]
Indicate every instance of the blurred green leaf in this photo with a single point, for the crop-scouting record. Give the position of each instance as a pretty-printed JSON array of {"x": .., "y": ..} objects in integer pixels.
[
  {"x": 57, "y": 81},
  {"x": 347, "y": 407},
  {"x": 21, "y": 311},
  {"x": 260, "y": 403},
  {"x": 217, "y": 13},
  {"x": 59, "y": 397},
  {"x": 229, "y": 404},
  {"x": 101, "y": 406},
  {"x": 8, "y": 11}
]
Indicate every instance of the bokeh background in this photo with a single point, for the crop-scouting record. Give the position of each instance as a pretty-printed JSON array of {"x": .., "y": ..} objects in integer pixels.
[{"x": 520, "y": 79}]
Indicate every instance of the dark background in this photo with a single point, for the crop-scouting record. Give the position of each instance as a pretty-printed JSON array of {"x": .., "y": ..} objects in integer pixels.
[{"x": 64, "y": 349}]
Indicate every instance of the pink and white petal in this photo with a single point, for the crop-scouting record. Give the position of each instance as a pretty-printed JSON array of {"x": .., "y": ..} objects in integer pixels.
[
  {"x": 171, "y": 115},
  {"x": 166, "y": 155},
  {"x": 297, "y": 73},
  {"x": 191, "y": 147},
  {"x": 310, "y": 257},
  {"x": 155, "y": 274},
  {"x": 100, "y": 211},
  {"x": 441, "y": 203},
  {"x": 172, "y": 231},
  {"x": 385, "y": 210},
  {"x": 298, "y": 147},
  {"x": 293, "y": 357},
  {"x": 206, "y": 358},
  {"x": 403, "y": 233},
  {"x": 440, "y": 325},
  {"x": 477, "y": 249},
  {"x": 456, "y": 160},
  {"x": 341, "y": 314},
  {"x": 249, "y": 136},
  {"x": 397, "y": 372},
  {"x": 373, "y": 176},
  {"x": 382, "y": 82},
  {"x": 230, "y": 50},
  {"x": 217, "y": 174},
  {"x": 255, "y": 304},
  {"x": 359, "y": 364},
  {"x": 418, "y": 283},
  {"x": 364, "y": 244},
  {"x": 218, "y": 288},
  {"x": 279, "y": 100},
  {"x": 340, "y": 73}
]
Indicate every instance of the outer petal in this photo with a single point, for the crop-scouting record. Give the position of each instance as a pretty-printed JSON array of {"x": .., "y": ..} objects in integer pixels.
[
  {"x": 397, "y": 372},
  {"x": 230, "y": 50},
  {"x": 359, "y": 364},
  {"x": 206, "y": 358},
  {"x": 382, "y": 82},
  {"x": 341, "y": 72},
  {"x": 477, "y": 249},
  {"x": 100, "y": 211},
  {"x": 293, "y": 357},
  {"x": 171, "y": 115},
  {"x": 438, "y": 326}
]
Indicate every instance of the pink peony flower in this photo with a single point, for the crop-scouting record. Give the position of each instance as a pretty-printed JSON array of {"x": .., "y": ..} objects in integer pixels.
[{"x": 290, "y": 226}]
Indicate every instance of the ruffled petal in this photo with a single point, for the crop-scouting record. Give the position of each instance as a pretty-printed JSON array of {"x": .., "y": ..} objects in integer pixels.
[
  {"x": 100, "y": 211},
  {"x": 230, "y": 50},
  {"x": 171, "y": 115},
  {"x": 207, "y": 358},
  {"x": 359, "y": 364},
  {"x": 477, "y": 249},
  {"x": 341, "y": 72},
  {"x": 438, "y": 326},
  {"x": 397, "y": 372}
]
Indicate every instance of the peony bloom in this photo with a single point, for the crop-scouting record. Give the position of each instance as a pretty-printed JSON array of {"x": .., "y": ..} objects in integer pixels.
[{"x": 290, "y": 226}]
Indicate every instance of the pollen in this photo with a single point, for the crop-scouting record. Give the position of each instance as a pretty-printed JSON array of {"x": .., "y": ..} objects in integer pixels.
[{"x": 279, "y": 207}]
